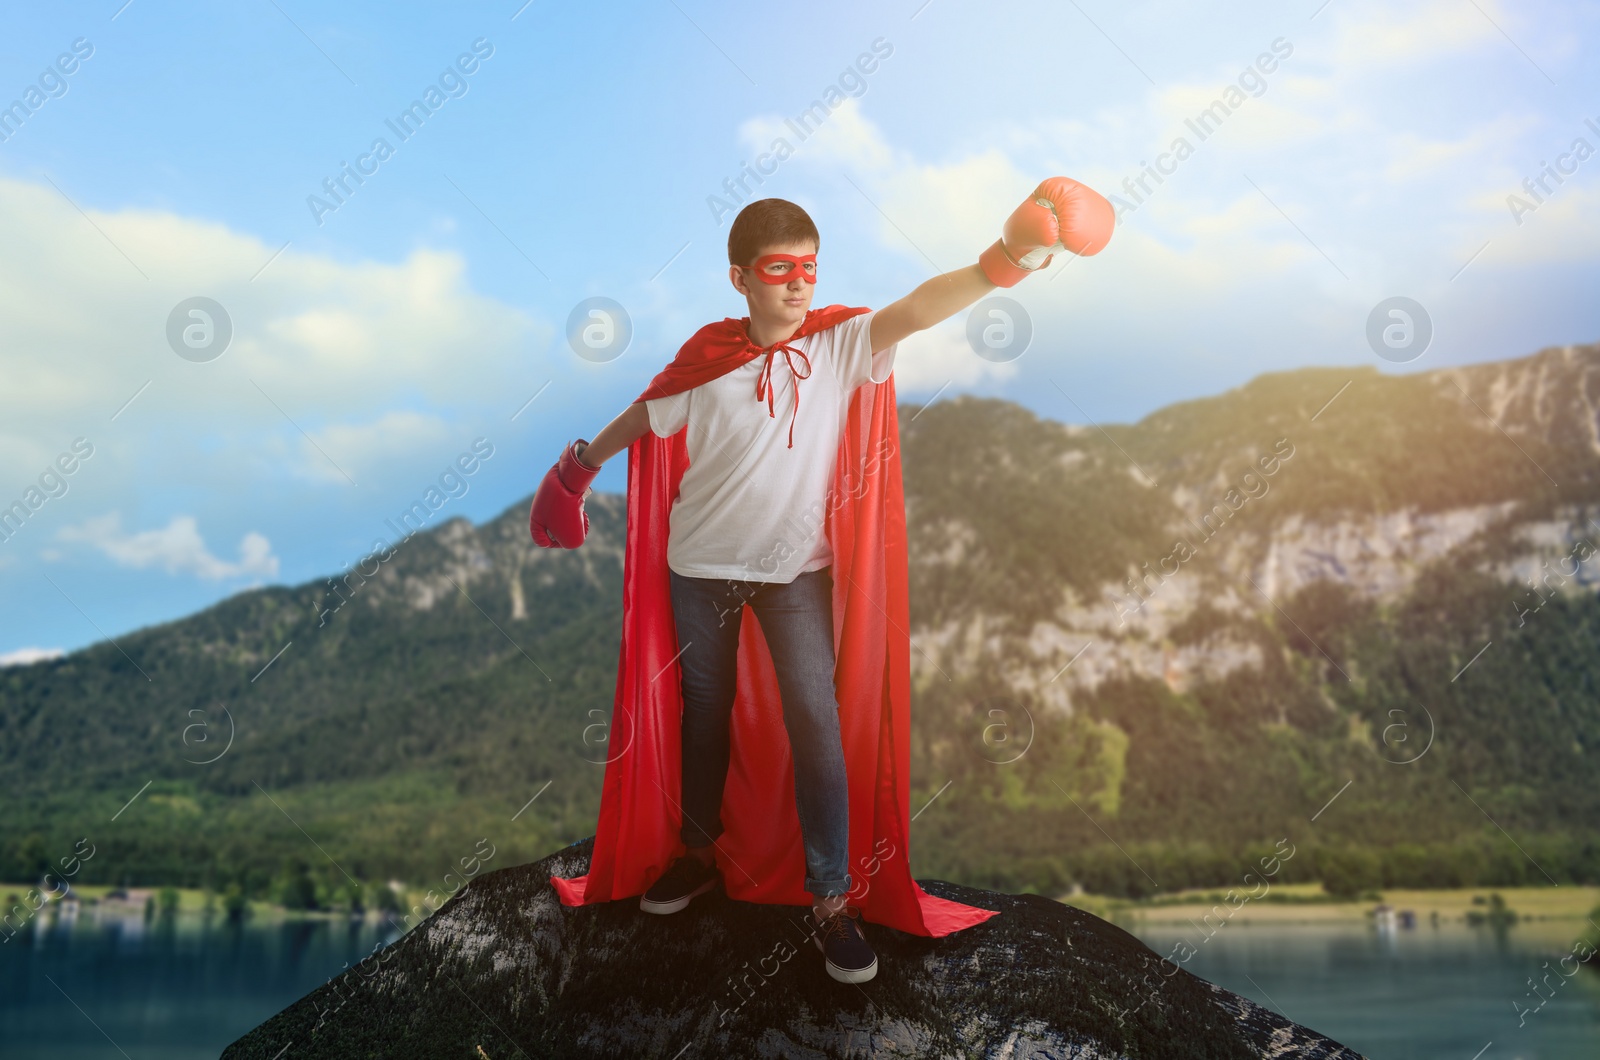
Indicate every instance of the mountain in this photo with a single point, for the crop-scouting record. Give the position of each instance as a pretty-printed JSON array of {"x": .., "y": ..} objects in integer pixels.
[
  {"x": 1313, "y": 588},
  {"x": 504, "y": 970},
  {"x": 1352, "y": 611}
]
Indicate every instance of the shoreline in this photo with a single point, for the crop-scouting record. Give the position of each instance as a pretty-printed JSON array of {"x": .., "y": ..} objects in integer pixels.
[
  {"x": 1287, "y": 904},
  {"x": 192, "y": 903},
  {"x": 1310, "y": 904}
]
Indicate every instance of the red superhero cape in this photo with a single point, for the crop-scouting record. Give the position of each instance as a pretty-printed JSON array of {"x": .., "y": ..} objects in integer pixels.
[{"x": 760, "y": 853}]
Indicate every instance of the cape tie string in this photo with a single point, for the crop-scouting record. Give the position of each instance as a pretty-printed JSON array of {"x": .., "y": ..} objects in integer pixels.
[{"x": 764, "y": 381}]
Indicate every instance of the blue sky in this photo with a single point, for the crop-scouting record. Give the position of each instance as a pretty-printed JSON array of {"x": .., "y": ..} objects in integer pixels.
[{"x": 376, "y": 342}]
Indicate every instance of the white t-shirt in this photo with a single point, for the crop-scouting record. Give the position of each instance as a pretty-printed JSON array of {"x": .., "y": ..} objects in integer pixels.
[{"x": 749, "y": 507}]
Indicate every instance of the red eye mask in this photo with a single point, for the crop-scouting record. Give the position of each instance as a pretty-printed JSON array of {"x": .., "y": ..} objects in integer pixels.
[{"x": 809, "y": 274}]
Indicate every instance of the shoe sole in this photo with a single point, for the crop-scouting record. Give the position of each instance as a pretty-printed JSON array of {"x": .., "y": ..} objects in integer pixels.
[
  {"x": 848, "y": 975},
  {"x": 677, "y": 903}
]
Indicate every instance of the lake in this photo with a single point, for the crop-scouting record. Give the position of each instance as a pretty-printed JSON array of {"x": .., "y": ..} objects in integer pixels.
[
  {"x": 103, "y": 988},
  {"x": 1417, "y": 993},
  {"x": 164, "y": 989}
]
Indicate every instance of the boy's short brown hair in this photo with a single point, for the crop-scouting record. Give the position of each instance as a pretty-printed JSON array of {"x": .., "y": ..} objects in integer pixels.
[{"x": 765, "y": 223}]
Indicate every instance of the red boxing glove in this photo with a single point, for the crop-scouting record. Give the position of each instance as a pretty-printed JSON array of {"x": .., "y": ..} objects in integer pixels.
[
  {"x": 1061, "y": 214},
  {"x": 557, "y": 518}
]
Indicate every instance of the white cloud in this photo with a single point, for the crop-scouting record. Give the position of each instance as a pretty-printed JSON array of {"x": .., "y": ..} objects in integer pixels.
[
  {"x": 948, "y": 212},
  {"x": 326, "y": 346},
  {"x": 360, "y": 445},
  {"x": 29, "y": 656},
  {"x": 177, "y": 548},
  {"x": 1381, "y": 35},
  {"x": 1564, "y": 229},
  {"x": 843, "y": 136},
  {"x": 1412, "y": 156},
  {"x": 929, "y": 359}
]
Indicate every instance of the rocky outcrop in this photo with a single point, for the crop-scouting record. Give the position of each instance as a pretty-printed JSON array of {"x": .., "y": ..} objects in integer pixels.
[{"x": 503, "y": 970}]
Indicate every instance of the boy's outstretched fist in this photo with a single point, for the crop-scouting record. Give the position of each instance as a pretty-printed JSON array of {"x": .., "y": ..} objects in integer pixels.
[
  {"x": 1061, "y": 214},
  {"x": 557, "y": 519}
]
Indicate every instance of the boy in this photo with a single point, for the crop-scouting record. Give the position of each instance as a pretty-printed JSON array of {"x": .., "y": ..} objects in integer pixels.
[{"x": 744, "y": 528}]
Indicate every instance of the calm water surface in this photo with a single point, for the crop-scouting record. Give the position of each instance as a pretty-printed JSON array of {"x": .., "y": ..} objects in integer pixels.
[
  {"x": 131, "y": 989},
  {"x": 1425, "y": 993}
]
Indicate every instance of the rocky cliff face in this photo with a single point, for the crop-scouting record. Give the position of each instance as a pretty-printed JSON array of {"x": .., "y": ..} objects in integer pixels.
[
  {"x": 504, "y": 970},
  {"x": 1032, "y": 539}
]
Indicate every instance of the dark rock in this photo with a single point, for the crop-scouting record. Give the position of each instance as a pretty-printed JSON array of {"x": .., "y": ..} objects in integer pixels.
[{"x": 504, "y": 967}]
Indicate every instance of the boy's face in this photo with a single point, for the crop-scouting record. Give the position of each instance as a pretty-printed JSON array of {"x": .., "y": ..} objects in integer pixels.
[{"x": 776, "y": 303}]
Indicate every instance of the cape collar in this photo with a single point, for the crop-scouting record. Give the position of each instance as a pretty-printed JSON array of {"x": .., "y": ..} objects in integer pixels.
[{"x": 721, "y": 347}]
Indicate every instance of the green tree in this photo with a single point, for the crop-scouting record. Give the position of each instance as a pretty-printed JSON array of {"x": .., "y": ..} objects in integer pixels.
[
  {"x": 386, "y": 900},
  {"x": 234, "y": 903},
  {"x": 295, "y": 887},
  {"x": 1348, "y": 872},
  {"x": 30, "y": 858}
]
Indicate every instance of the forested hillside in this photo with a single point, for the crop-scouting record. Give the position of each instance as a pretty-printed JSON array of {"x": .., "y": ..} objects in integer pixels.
[{"x": 1139, "y": 654}]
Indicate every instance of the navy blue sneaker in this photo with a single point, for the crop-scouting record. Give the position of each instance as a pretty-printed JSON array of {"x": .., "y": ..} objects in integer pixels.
[
  {"x": 845, "y": 950},
  {"x": 687, "y": 877}
]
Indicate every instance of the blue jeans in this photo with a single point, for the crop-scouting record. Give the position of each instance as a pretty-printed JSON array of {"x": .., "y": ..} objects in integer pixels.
[{"x": 797, "y": 620}]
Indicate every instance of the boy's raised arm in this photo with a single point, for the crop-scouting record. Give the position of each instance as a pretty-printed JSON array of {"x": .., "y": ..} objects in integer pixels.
[
  {"x": 931, "y": 302},
  {"x": 1061, "y": 214}
]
